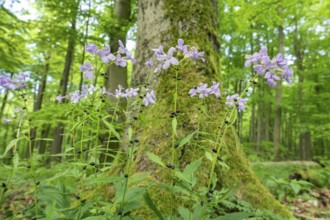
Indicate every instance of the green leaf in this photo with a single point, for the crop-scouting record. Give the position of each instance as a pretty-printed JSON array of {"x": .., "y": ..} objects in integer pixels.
[
  {"x": 155, "y": 158},
  {"x": 234, "y": 216},
  {"x": 181, "y": 176},
  {"x": 130, "y": 133},
  {"x": 187, "y": 139},
  {"x": 11, "y": 144},
  {"x": 192, "y": 167},
  {"x": 174, "y": 125},
  {"x": 295, "y": 187},
  {"x": 112, "y": 129},
  {"x": 151, "y": 205},
  {"x": 208, "y": 155},
  {"x": 184, "y": 213}
]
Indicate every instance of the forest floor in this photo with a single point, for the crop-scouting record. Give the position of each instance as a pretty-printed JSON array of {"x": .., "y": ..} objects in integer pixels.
[
  {"x": 304, "y": 189},
  {"x": 311, "y": 200}
]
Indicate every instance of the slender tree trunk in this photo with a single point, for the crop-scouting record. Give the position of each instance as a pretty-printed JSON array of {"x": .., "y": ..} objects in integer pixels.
[
  {"x": 117, "y": 75},
  {"x": 278, "y": 98},
  {"x": 162, "y": 23},
  {"x": 38, "y": 103},
  {"x": 59, "y": 130}
]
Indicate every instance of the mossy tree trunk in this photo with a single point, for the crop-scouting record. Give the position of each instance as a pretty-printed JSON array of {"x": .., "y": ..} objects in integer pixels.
[{"x": 162, "y": 22}]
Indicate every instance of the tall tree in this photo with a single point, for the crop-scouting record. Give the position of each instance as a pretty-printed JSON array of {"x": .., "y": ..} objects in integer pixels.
[
  {"x": 59, "y": 130},
  {"x": 163, "y": 22}
]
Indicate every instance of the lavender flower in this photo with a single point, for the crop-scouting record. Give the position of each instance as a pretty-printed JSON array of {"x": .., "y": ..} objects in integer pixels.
[
  {"x": 235, "y": 100},
  {"x": 118, "y": 92},
  {"x": 15, "y": 83},
  {"x": 149, "y": 63},
  {"x": 106, "y": 54},
  {"x": 131, "y": 92},
  {"x": 88, "y": 68},
  {"x": 181, "y": 46},
  {"x": 195, "y": 54},
  {"x": 59, "y": 98},
  {"x": 204, "y": 91},
  {"x": 120, "y": 61},
  {"x": 91, "y": 48},
  {"x": 123, "y": 50},
  {"x": 272, "y": 69},
  {"x": 150, "y": 98},
  {"x": 6, "y": 120},
  {"x": 215, "y": 89}
]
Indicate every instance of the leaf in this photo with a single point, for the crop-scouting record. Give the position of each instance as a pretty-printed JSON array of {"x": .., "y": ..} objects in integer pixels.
[
  {"x": 187, "y": 139},
  {"x": 174, "y": 125},
  {"x": 11, "y": 144},
  {"x": 208, "y": 155},
  {"x": 112, "y": 129},
  {"x": 184, "y": 213},
  {"x": 295, "y": 187},
  {"x": 151, "y": 205},
  {"x": 192, "y": 167},
  {"x": 181, "y": 176},
  {"x": 155, "y": 158},
  {"x": 234, "y": 216}
]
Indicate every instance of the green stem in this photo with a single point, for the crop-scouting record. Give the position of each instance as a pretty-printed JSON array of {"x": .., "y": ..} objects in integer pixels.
[{"x": 109, "y": 136}]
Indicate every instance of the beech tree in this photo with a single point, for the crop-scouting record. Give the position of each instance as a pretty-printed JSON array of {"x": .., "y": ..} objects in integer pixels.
[{"x": 196, "y": 21}]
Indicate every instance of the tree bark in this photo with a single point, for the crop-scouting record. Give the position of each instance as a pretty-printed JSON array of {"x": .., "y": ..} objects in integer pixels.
[
  {"x": 163, "y": 22},
  {"x": 56, "y": 147}
]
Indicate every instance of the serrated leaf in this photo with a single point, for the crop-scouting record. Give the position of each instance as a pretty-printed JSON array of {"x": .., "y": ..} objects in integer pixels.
[
  {"x": 186, "y": 139},
  {"x": 192, "y": 167},
  {"x": 151, "y": 205},
  {"x": 112, "y": 129},
  {"x": 155, "y": 158},
  {"x": 184, "y": 213},
  {"x": 181, "y": 176}
]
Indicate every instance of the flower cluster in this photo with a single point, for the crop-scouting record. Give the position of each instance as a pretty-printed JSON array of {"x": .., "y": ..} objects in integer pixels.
[
  {"x": 204, "y": 91},
  {"x": 77, "y": 95},
  {"x": 272, "y": 69},
  {"x": 168, "y": 59},
  {"x": 235, "y": 100},
  {"x": 106, "y": 56},
  {"x": 17, "y": 83}
]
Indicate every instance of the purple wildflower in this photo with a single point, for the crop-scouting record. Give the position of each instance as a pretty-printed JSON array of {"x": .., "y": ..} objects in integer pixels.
[
  {"x": 195, "y": 54},
  {"x": 150, "y": 98},
  {"x": 131, "y": 92},
  {"x": 6, "y": 120},
  {"x": 270, "y": 68},
  {"x": 215, "y": 89},
  {"x": 120, "y": 61},
  {"x": 106, "y": 54},
  {"x": 192, "y": 92},
  {"x": 88, "y": 68},
  {"x": 149, "y": 63},
  {"x": 59, "y": 98},
  {"x": 203, "y": 90},
  {"x": 91, "y": 48},
  {"x": 118, "y": 92},
  {"x": 169, "y": 59},
  {"x": 181, "y": 46},
  {"x": 235, "y": 100}
]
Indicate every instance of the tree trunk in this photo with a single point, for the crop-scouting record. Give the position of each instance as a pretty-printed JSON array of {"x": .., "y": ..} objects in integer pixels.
[
  {"x": 278, "y": 98},
  {"x": 162, "y": 23},
  {"x": 59, "y": 130},
  {"x": 38, "y": 103}
]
